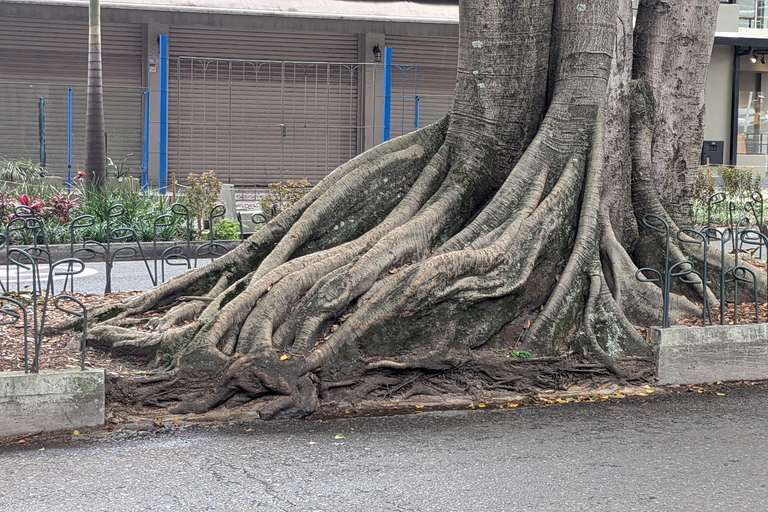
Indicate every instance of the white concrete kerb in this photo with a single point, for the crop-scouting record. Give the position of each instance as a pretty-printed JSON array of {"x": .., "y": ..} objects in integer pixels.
[
  {"x": 50, "y": 400},
  {"x": 697, "y": 355}
]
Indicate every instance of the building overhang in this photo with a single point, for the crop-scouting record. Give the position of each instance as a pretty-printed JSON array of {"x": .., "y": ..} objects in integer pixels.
[{"x": 431, "y": 12}]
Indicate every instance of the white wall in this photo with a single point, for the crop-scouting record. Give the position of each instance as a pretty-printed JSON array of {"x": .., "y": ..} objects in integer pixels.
[{"x": 717, "y": 100}]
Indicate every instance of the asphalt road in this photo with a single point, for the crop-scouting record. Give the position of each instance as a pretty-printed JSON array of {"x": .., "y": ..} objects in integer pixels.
[
  {"x": 126, "y": 276},
  {"x": 668, "y": 452}
]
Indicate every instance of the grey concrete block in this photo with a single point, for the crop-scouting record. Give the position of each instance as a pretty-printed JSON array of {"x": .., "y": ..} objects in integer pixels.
[
  {"x": 50, "y": 400},
  {"x": 695, "y": 355}
]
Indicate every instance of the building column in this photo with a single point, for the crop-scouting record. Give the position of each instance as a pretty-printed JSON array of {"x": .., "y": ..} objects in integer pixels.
[{"x": 152, "y": 83}]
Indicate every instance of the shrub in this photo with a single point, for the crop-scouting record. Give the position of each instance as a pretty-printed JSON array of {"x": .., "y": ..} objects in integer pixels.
[
  {"x": 739, "y": 182},
  {"x": 282, "y": 196},
  {"x": 203, "y": 191},
  {"x": 20, "y": 171},
  {"x": 226, "y": 229}
]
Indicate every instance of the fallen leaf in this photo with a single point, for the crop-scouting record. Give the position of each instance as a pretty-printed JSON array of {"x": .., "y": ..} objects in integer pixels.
[
  {"x": 75, "y": 432},
  {"x": 339, "y": 436},
  {"x": 312, "y": 442},
  {"x": 284, "y": 357},
  {"x": 22, "y": 441},
  {"x": 249, "y": 429},
  {"x": 41, "y": 449},
  {"x": 720, "y": 394},
  {"x": 481, "y": 405},
  {"x": 512, "y": 405}
]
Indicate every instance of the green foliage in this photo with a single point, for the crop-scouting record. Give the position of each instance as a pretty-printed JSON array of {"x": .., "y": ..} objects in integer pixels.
[
  {"x": 283, "y": 195},
  {"x": 202, "y": 193},
  {"x": 20, "y": 171},
  {"x": 738, "y": 185},
  {"x": 118, "y": 171},
  {"x": 738, "y": 182},
  {"x": 140, "y": 213},
  {"x": 703, "y": 189},
  {"x": 521, "y": 354},
  {"x": 226, "y": 229}
]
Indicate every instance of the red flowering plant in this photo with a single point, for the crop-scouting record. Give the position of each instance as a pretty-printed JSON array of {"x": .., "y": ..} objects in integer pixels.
[
  {"x": 32, "y": 204},
  {"x": 60, "y": 206}
]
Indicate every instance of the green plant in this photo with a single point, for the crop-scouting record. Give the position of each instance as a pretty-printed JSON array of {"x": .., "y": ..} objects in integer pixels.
[
  {"x": 738, "y": 182},
  {"x": 282, "y": 196},
  {"x": 520, "y": 354},
  {"x": 202, "y": 193},
  {"x": 139, "y": 214},
  {"x": 118, "y": 171},
  {"x": 226, "y": 229},
  {"x": 20, "y": 171}
]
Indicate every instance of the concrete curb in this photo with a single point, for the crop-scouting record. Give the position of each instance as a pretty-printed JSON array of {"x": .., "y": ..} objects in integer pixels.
[
  {"x": 697, "y": 355},
  {"x": 50, "y": 400}
]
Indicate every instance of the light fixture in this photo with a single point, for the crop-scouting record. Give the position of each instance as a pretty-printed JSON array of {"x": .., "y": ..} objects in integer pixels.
[
  {"x": 376, "y": 53},
  {"x": 753, "y": 58}
]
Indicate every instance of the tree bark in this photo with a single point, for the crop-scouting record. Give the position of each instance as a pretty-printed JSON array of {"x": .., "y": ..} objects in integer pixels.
[
  {"x": 95, "y": 145},
  {"x": 513, "y": 222}
]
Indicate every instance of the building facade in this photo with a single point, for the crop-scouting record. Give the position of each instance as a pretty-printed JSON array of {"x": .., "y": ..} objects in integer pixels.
[{"x": 266, "y": 90}]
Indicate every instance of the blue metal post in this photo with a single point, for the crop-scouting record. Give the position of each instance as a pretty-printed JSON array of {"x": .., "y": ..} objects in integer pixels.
[
  {"x": 416, "y": 114},
  {"x": 387, "y": 93},
  {"x": 69, "y": 138},
  {"x": 162, "y": 167},
  {"x": 145, "y": 145}
]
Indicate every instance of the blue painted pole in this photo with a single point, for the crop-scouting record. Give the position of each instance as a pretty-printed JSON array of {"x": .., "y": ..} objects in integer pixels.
[
  {"x": 69, "y": 138},
  {"x": 387, "y": 93},
  {"x": 416, "y": 114},
  {"x": 162, "y": 167},
  {"x": 145, "y": 145}
]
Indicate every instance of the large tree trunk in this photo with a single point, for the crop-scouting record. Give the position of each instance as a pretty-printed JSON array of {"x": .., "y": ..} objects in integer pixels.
[
  {"x": 95, "y": 145},
  {"x": 512, "y": 222}
]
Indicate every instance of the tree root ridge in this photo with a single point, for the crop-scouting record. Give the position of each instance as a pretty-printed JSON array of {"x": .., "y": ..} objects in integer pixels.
[{"x": 390, "y": 276}]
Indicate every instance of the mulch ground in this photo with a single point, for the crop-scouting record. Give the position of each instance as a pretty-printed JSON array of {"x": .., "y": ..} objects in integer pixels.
[
  {"x": 54, "y": 351},
  {"x": 55, "y": 354}
]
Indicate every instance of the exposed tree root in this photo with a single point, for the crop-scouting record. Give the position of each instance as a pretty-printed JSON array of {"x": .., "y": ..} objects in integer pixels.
[{"x": 492, "y": 227}]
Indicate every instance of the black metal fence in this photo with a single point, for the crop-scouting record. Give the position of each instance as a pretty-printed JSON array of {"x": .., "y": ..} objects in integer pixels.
[
  {"x": 744, "y": 233},
  {"x": 117, "y": 242}
]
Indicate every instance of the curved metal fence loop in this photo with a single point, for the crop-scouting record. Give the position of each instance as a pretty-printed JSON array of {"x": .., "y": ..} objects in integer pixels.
[
  {"x": 692, "y": 236},
  {"x": 211, "y": 249}
]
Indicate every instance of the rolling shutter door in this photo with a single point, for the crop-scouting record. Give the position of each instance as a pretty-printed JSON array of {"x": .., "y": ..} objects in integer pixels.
[
  {"x": 433, "y": 80},
  {"x": 39, "y": 59},
  {"x": 231, "y": 91}
]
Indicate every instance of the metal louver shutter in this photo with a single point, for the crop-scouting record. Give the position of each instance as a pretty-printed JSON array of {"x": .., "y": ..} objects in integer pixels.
[
  {"x": 39, "y": 59},
  {"x": 433, "y": 79},
  {"x": 250, "y": 107}
]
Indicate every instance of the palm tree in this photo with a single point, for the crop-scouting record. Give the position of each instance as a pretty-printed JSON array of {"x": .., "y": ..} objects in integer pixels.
[{"x": 95, "y": 145}]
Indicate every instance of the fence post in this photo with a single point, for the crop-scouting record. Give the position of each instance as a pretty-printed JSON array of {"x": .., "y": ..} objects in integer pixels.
[{"x": 387, "y": 93}]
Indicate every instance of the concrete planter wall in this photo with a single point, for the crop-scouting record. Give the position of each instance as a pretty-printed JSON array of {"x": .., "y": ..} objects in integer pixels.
[
  {"x": 50, "y": 400},
  {"x": 696, "y": 355}
]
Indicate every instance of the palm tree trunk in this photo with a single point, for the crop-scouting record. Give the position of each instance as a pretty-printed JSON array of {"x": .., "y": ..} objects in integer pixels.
[{"x": 95, "y": 156}]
